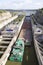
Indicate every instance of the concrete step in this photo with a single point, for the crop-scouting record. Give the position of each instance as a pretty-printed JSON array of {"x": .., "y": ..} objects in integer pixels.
[
  {"x": 4, "y": 42},
  {"x": 6, "y": 38},
  {"x": 3, "y": 46},
  {"x": 1, "y": 52}
]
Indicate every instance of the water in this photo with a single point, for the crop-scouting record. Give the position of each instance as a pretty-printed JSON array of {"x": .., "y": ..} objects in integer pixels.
[{"x": 30, "y": 12}]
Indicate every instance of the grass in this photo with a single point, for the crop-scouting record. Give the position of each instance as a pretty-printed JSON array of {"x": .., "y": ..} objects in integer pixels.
[
  {"x": 19, "y": 18},
  {"x": 14, "y": 13},
  {"x": 1, "y": 11}
]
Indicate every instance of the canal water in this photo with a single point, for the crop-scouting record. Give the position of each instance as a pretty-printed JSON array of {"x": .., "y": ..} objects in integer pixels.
[{"x": 29, "y": 57}]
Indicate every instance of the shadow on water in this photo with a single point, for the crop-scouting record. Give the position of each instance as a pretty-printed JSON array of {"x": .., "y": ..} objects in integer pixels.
[{"x": 29, "y": 57}]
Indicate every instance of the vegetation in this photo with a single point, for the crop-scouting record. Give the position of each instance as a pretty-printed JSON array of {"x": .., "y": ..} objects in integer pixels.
[
  {"x": 14, "y": 13},
  {"x": 1, "y": 11},
  {"x": 19, "y": 18}
]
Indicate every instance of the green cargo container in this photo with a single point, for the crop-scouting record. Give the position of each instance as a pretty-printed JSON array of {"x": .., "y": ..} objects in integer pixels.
[
  {"x": 11, "y": 58},
  {"x": 18, "y": 51},
  {"x": 20, "y": 42}
]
